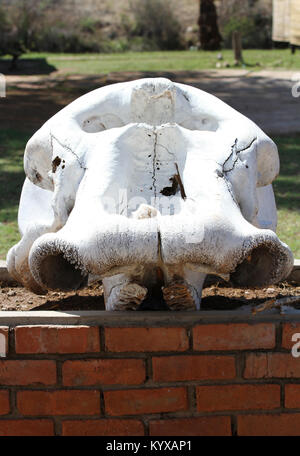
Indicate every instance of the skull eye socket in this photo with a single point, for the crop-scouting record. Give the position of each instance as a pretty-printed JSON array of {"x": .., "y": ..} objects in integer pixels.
[
  {"x": 96, "y": 124},
  {"x": 93, "y": 125},
  {"x": 206, "y": 123}
]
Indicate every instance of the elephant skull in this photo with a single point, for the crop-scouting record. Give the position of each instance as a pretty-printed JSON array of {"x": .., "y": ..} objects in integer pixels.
[{"x": 148, "y": 185}]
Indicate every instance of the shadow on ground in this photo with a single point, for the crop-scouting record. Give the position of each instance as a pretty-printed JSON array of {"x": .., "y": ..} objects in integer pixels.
[
  {"x": 74, "y": 302},
  {"x": 26, "y": 67},
  {"x": 268, "y": 101}
]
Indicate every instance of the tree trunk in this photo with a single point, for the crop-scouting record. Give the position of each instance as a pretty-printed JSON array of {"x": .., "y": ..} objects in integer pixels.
[
  {"x": 237, "y": 47},
  {"x": 13, "y": 64},
  {"x": 210, "y": 38}
]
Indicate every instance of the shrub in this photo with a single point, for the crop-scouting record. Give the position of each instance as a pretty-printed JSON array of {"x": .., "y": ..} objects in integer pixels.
[
  {"x": 252, "y": 19},
  {"x": 35, "y": 25},
  {"x": 62, "y": 39},
  {"x": 156, "y": 23}
]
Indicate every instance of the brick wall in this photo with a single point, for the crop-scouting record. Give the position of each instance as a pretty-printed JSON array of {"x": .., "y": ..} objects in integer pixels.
[{"x": 189, "y": 377}]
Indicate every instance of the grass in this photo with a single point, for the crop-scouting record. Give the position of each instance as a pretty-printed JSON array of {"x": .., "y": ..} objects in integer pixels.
[
  {"x": 12, "y": 144},
  {"x": 287, "y": 192},
  {"x": 287, "y": 188},
  {"x": 255, "y": 59}
]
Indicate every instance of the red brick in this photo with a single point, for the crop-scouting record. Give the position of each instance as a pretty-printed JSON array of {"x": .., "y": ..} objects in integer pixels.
[
  {"x": 3, "y": 340},
  {"x": 234, "y": 336},
  {"x": 237, "y": 397},
  {"x": 135, "y": 402},
  {"x": 203, "y": 367},
  {"x": 26, "y": 428},
  {"x": 198, "y": 426},
  {"x": 270, "y": 365},
  {"x": 27, "y": 372},
  {"x": 62, "y": 402},
  {"x": 104, "y": 427},
  {"x": 57, "y": 339},
  {"x": 269, "y": 425},
  {"x": 289, "y": 329},
  {"x": 292, "y": 396},
  {"x": 104, "y": 371},
  {"x": 146, "y": 339},
  {"x": 4, "y": 402}
]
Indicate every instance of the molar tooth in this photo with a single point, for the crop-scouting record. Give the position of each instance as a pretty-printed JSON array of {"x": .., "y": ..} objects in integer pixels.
[
  {"x": 124, "y": 296},
  {"x": 180, "y": 296}
]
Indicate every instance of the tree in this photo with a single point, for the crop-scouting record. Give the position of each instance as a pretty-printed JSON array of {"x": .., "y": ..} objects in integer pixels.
[
  {"x": 19, "y": 23},
  {"x": 210, "y": 38},
  {"x": 10, "y": 43},
  {"x": 156, "y": 22}
]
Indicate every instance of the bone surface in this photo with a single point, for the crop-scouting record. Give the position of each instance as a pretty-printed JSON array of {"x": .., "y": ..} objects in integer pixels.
[{"x": 149, "y": 186}]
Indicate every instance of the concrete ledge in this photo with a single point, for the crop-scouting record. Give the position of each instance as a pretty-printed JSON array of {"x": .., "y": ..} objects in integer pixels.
[{"x": 128, "y": 319}]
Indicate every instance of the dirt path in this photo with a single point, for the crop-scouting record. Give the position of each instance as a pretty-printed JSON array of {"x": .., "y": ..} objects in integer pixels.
[{"x": 265, "y": 96}]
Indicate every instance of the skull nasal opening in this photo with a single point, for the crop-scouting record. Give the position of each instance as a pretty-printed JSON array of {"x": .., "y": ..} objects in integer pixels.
[
  {"x": 264, "y": 265},
  {"x": 58, "y": 273}
]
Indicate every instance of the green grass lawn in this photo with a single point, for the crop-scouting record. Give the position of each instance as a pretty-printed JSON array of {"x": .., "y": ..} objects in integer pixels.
[
  {"x": 287, "y": 188},
  {"x": 255, "y": 59},
  {"x": 287, "y": 192},
  {"x": 12, "y": 143}
]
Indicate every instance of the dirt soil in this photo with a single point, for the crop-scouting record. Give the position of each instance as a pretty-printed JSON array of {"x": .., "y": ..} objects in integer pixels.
[{"x": 215, "y": 297}]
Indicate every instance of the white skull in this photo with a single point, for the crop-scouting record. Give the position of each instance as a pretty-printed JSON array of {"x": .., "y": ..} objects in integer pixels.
[{"x": 148, "y": 184}]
